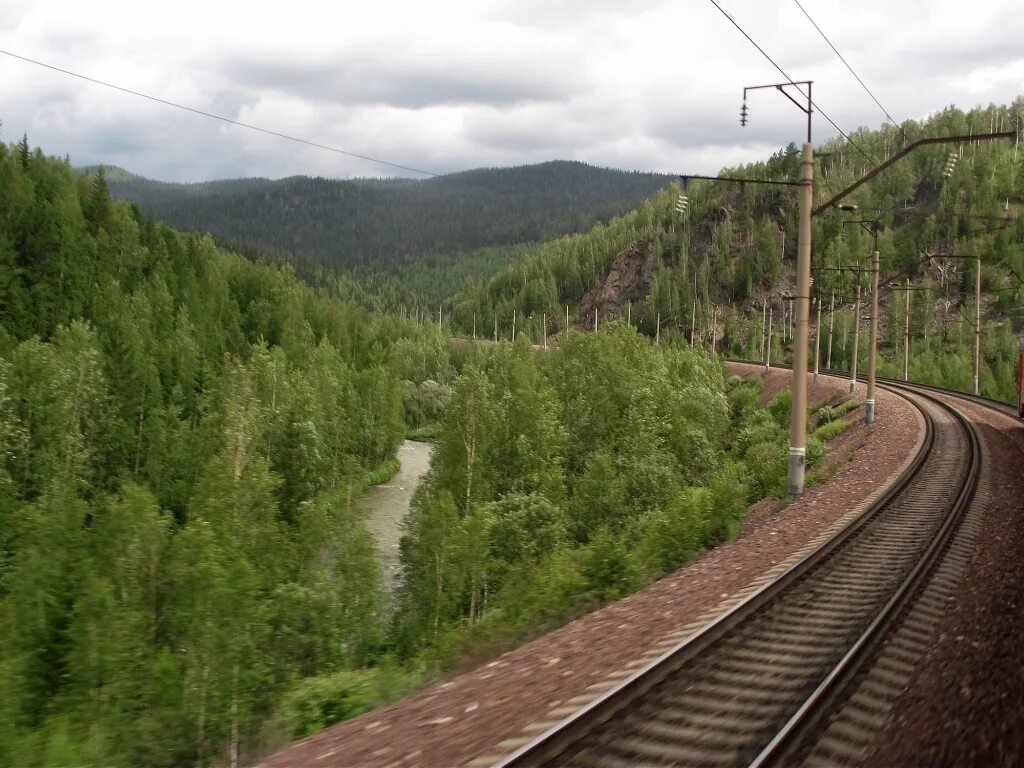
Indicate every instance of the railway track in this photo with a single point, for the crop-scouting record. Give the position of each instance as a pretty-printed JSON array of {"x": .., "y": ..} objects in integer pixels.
[
  {"x": 987, "y": 402},
  {"x": 757, "y": 685}
]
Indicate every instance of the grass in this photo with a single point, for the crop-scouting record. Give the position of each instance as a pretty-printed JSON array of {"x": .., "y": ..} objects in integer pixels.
[{"x": 831, "y": 429}]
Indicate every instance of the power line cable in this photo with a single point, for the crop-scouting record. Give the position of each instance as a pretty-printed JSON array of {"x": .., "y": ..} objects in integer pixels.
[
  {"x": 783, "y": 72},
  {"x": 218, "y": 117},
  {"x": 842, "y": 59}
]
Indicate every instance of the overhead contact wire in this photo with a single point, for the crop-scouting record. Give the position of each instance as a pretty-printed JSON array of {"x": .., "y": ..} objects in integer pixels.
[{"x": 852, "y": 72}]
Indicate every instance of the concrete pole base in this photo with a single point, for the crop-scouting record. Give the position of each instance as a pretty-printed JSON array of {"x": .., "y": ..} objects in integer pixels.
[
  {"x": 975, "y": 386},
  {"x": 797, "y": 460},
  {"x": 869, "y": 411},
  {"x": 853, "y": 386}
]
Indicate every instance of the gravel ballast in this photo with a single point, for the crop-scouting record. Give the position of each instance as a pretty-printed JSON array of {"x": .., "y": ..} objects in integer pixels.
[{"x": 965, "y": 703}]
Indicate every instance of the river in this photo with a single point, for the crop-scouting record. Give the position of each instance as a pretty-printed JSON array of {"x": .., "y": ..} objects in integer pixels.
[{"x": 386, "y": 504}]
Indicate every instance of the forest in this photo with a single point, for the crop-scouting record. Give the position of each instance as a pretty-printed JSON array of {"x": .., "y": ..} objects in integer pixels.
[
  {"x": 436, "y": 233},
  {"x": 566, "y": 479},
  {"x": 716, "y": 267},
  {"x": 182, "y": 432}
]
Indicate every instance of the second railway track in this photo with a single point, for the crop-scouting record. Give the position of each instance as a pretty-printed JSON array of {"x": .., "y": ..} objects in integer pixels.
[{"x": 748, "y": 687}]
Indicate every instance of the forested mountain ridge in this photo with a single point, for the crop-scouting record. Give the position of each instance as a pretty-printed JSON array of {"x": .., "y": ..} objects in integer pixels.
[
  {"x": 735, "y": 249},
  {"x": 374, "y": 226}
]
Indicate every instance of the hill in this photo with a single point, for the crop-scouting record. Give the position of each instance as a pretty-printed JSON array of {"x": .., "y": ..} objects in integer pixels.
[
  {"x": 713, "y": 269},
  {"x": 378, "y": 227}
]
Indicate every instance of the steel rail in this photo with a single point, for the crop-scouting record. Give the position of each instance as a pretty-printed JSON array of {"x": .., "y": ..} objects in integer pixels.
[{"x": 793, "y": 736}]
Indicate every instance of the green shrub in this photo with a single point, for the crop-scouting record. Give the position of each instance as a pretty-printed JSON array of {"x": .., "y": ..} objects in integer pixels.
[
  {"x": 382, "y": 472},
  {"x": 767, "y": 466},
  {"x": 728, "y": 503},
  {"x": 759, "y": 428},
  {"x": 669, "y": 537},
  {"x": 832, "y": 429},
  {"x": 815, "y": 451},
  {"x": 534, "y": 593},
  {"x": 742, "y": 400},
  {"x": 606, "y": 565},
  {"x": 316, "y": 702},
  {"x": 813, "y": 478},
  {"x": 781, "y": 407}
]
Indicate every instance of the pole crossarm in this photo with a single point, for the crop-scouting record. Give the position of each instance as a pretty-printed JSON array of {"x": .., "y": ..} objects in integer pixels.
[
  {"x": 905, "y": 151},
  {"x": 781, "y": 88},
  {"x": 686, "y": 177},
  {"x": 848, "y": 268}
]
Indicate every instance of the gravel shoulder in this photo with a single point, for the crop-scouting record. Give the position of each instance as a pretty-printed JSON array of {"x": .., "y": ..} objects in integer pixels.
[
  {"x": 493, "y": 708},
  {"x": 965, "y": 704}
]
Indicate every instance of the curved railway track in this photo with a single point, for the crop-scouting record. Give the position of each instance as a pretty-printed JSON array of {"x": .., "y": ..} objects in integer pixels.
[
  {"x": 751, "y": 687},
  {"x": 987, "y": 402}
]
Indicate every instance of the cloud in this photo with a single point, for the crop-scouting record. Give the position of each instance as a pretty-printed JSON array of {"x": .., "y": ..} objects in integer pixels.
[
  {"x": 411, "y": 81},
  {"x": 457, "y": 84}
]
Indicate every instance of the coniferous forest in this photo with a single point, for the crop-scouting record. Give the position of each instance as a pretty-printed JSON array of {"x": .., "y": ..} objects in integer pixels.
[
  {"x": 182, "y": 432},
  {"x": 431, "y": 236}
]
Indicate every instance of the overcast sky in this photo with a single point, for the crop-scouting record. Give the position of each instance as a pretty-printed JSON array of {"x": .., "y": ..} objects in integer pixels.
[{"x": 446, "y": 86}]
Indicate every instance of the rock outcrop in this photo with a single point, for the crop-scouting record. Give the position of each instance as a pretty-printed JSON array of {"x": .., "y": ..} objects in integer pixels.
[{"x": 628, "y": 280}]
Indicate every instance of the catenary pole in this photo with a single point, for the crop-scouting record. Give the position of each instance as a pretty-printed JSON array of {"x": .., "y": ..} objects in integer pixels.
[
  {"x": 856, "y": 340},
  {"x": 831, "y": 325},
  {"x": 714, "y": 330},
  {"x": 764, "y": 328},
  {"x": 798, "y": 418},
  {"x": 817, "y": 340},
  {"x": 869, "y": 402},
  {"x": 906, "y": 336},
  {"x": 977, "y": 327}
]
